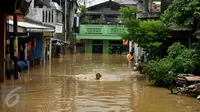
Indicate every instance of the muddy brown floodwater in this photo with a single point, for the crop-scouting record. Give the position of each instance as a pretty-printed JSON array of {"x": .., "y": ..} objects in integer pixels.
[{"x": 54, "y": 88}]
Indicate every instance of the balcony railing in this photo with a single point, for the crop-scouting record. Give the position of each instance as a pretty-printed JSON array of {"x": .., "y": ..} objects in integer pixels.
[
  {"x": 102, "y": 29},
  {"x": 144, "y": 15},
  {"x": 46, "y": 15},
  {"x": 51, "y": 16}
]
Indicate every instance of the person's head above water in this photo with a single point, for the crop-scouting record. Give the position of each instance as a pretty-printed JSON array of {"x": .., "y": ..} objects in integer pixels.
[{"x": 98, "y": 76}]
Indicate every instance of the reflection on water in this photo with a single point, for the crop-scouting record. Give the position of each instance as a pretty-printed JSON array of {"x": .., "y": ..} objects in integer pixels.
[{"x": 53, "y": 88}]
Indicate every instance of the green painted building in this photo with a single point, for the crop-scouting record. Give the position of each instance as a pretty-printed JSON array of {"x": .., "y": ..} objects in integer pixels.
[
  {"x": 101, "y": 33},
  {"x": 102, "y": 38}
]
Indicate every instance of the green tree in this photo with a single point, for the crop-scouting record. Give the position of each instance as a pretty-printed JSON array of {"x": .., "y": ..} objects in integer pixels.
[
  {"x": 82, "y": 14},
  {"x": 175, "y": 50},
  {"x": 102, "y": 19},
  {"x": 128, "y": 13},
  {"x": 184, "y": 13},
  {"x": 85, "y": 20},
  {"x": 97, "y": 21},
  {"x": 147, "y": 34}
]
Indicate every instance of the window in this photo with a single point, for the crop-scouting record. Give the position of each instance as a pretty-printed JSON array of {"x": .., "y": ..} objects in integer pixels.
[
  {"x": 93, "y": 30},
  {"x": 114, "y": 30},
  {"x": 117, "y": 30}
]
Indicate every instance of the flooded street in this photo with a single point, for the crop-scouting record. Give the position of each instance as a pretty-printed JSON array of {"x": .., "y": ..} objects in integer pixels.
[{"x": 54, "y": 88}]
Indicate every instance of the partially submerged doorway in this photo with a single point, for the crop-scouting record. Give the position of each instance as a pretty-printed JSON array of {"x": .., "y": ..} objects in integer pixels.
[{"x": 97, "y": 46}]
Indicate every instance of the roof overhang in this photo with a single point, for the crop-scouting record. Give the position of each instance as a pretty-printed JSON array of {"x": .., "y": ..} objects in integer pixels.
[
  {"x": 103, "y": 12},
  {"x": 97, "y": 37},
  {"x": 31, "y": 27}
]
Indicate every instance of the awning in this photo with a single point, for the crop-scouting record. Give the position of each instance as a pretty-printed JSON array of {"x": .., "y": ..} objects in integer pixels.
[
  {"x": 57, "y": 44},
  {"x": 102, "y": 37},
  {"x": 54, "y": 40},
  {"x": 31, "y": 27}
]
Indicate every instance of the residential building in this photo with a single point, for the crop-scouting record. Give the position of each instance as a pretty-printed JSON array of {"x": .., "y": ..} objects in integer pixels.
[
  {"x": 9, "y": 7},
  {"x": 149, "y": 10},
  {"x": 71, "y": 24},
  {"x": 29, "y": 38},
  {"x": 48, "y": 13},
  {"x": 100, "y": 29}
]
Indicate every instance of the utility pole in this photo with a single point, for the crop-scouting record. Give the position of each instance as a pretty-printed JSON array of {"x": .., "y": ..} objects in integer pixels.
[
  {"x": 15, "y": 47},
  {"x": 65, "y": 24},
  {"x": 8, "y": 73}
]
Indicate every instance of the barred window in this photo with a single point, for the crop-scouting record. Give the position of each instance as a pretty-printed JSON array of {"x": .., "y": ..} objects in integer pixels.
[{"x": 93, "y": 30}]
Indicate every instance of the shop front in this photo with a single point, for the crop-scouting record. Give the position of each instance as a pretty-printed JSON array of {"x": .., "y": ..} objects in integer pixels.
[{"x": 34, "y": 43}]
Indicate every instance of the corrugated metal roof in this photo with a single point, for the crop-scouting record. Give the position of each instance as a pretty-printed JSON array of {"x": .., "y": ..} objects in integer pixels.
[
  {"x": 33, "y": 27},
  {"x": 29, "y": 25}
]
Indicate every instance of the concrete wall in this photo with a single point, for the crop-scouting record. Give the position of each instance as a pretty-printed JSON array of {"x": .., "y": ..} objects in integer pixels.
[
  {"x": 88, "y": 46},
  {"x": 102, "y": 29},
  {"x": 35, "y": 14}
]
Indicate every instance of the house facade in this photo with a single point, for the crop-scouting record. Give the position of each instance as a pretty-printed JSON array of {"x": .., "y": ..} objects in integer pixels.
[
  {"x": 11, "y": 7},
  {"x": 70, "y": 24},
  {"x": 101, "y": 28},
  {"x": 147, "y": 10},
  {"x": 29, "y": 35}
]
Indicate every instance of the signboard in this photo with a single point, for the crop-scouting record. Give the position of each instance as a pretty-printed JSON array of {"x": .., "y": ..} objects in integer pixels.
[
  {"x": 16, "y": 47},
  {"x": 58, "y": 29},
  {"x": 19, "y": 18},
  {"x": 47, "y": 34},
  {"x": 125, "y": 42}
]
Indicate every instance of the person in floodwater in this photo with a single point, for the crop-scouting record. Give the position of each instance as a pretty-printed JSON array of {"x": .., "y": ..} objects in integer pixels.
[{"x": 98, "y": 76}]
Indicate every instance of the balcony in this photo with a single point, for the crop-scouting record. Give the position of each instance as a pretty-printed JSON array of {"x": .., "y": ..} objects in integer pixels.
[
  {"x": 48, "y": 16},
  {"x": 92, "y": 31},
  {"x": 148, "y": 15},
  {"x": 102, "y": 29}
]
